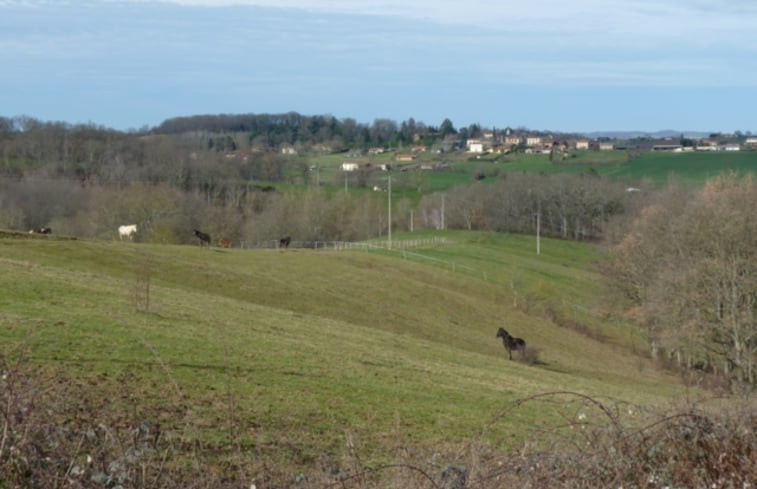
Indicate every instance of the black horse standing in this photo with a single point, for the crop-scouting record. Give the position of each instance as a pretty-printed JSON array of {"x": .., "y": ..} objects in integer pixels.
[
  {"x": 284, "y": 242},
  {"x": 203, "y": 237},
  {"x": 511, "y": 343}
]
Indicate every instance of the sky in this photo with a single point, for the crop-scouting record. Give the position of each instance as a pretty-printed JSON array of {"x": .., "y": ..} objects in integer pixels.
[{"x": 578, "y": 66}]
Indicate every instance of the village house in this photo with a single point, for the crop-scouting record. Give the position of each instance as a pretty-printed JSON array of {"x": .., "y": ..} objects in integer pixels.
[
  {"x": 582, "y": 144},
  {"x": 405, "y": 157},
  {"x": 707, "y": 145},
  {"x": 672, "y": 148},
  {"x": 605, "y": 146},
  {"x": 532, "y": 141},
  {"x": 512, "y": 140},
  {"x": 475, "y": 146}
]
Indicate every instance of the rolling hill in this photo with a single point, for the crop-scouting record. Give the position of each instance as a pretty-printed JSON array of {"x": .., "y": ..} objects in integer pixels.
[{"x": 302, "y": 359}]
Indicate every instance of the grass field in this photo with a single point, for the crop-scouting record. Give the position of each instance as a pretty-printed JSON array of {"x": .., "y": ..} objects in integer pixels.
[
  {"x": 458, "y": 169},
  {"x": 384, "y": 348}
]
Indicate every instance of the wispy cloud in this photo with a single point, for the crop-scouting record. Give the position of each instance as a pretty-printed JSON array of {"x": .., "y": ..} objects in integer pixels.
[{"x": 373, "y": 54}]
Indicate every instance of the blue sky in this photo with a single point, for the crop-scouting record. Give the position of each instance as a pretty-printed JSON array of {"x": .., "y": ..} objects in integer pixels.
[{"x": 584, "y": 65}]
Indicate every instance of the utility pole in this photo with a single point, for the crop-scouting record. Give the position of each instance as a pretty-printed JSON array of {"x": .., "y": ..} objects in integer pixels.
[
  {"x": 389, "y": 191},
  {"x": 443, "y": 223},
  {"x": 538, "y": 228}
]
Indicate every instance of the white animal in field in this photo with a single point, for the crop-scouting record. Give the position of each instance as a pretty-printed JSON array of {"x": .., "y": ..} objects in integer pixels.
[{"x": 127, "y": 231}]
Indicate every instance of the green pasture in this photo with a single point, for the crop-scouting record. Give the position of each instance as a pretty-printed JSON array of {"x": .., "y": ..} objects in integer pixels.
[
  {"x": 696, "y": 167},
  {"x": 387, "y": 346},
  {"x": 463, "y": 168},
  {"x": 658, "y": 167}
]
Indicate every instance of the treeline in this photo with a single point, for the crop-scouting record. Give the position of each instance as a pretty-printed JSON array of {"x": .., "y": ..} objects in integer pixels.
[
  {"x": 93, "y": 155},
  {"x": 567, "y": 206},
  {"x": 320, "y": 131},
  {"x": 167, "y": 215}
]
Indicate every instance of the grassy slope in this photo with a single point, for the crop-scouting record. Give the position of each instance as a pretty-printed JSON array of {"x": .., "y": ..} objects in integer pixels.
[
  {"x": 387, "y": 346},
  {"x": 657, "y": 167}
]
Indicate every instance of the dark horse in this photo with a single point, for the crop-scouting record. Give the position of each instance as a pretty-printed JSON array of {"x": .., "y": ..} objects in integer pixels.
[
  {"x": 284, "y": 242},
  {"x": 203, "y": 237},
  {"x": 511, "y": 343}
]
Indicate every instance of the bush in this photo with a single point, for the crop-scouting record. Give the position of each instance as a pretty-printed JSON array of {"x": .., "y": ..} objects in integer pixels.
[
  {"x": 529, "y": 355},
  {"x": 56, "y": 431}
]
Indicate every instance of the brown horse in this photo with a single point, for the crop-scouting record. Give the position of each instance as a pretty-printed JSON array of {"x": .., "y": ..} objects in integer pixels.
[{"x": 225, "y": 243}]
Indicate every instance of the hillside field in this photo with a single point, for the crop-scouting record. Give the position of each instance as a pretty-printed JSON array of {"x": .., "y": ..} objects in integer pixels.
[
  {"x": 461, "y": 168},
  {"x": 302, "y": 357}
]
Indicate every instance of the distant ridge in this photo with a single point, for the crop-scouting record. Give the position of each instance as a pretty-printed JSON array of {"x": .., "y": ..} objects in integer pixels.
[{"x": 666, "y": 133}]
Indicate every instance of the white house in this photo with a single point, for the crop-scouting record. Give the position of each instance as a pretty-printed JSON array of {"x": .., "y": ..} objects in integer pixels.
[{"x": 475, "y": 146}]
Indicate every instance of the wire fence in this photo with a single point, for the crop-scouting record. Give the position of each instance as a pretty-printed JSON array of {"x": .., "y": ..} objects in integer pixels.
[
  {"x": 402, "y": 247},
  {"x": 346, "y": 245}
]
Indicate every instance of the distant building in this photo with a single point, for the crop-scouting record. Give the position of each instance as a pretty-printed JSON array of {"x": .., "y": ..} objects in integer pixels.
[
  {"x": 475, "y": 146},
  {"x": 405, "y": 157},
  {"x": 671, "y": 148},
  {"x": 512, "y": 140}
]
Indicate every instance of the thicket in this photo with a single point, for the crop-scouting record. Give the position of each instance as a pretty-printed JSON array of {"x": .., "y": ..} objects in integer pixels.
[
  {"x": 686, "y": 264},
  {"x": 59, "y": 431},
  {"x": 569, "y": 206}
]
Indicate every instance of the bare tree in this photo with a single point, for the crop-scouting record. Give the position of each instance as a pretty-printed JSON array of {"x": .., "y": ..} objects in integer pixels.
[{"x": 688, "y": 263}]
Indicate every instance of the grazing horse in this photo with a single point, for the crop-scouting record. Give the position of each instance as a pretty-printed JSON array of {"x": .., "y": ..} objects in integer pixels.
[
  {"x": 203, "y": 237},
  {"x": 284, "y": 242},
  {"x": 41, "y": 231},
  {"x": 511, "y": 343},
  {"x": 127, "y": 231},
  {"x": 225, "y": 243}
]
